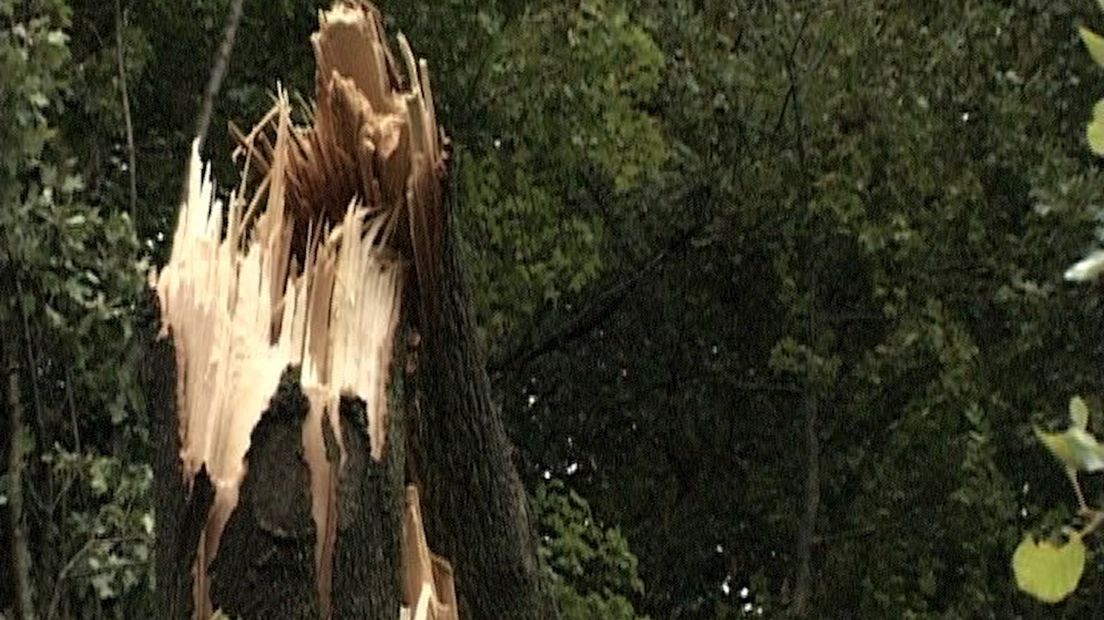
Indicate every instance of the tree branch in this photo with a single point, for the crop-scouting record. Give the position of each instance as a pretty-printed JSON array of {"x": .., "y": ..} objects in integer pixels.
[
  {"x": 218, "y": 71},
  {"x": 807, "y": 527},
  {"x": 67, "y": 571},
  {"x": 587, "y": 319},
  {"x": 120, "y": 24}
]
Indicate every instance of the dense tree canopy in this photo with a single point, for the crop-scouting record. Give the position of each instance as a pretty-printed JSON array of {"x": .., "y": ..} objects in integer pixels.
[{"x": 772, "y": 292}]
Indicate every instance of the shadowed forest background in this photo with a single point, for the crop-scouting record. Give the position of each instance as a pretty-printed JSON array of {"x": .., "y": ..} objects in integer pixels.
[{"x": 771, "y": 292}]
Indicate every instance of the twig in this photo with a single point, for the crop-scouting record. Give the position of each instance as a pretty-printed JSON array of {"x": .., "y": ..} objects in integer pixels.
[
  {"x": 32, "y": 360},
  {"x": 63, "y": 575},
  {"x": 1081, "y": 505},
  {"x": 66, "y": 570},
  {"x": 589, "y": 317},
  {"x": 120, "y": 24},
  {"x": 72, "y": 409}
]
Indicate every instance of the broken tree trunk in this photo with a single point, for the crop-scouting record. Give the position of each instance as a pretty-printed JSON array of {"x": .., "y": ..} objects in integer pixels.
[{"x": 277, "y": 378}]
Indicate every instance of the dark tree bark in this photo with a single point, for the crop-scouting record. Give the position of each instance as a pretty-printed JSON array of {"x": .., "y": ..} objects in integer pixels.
[
  {"x": 264, "y": 567},
  {"x": 475, "y": 505},
  {"x": 367, "y": 555}
]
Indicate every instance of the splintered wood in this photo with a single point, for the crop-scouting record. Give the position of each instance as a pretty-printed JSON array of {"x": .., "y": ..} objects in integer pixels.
[
  {"x": 306, "y": 268},
  {"x": 428, "y": 585}
]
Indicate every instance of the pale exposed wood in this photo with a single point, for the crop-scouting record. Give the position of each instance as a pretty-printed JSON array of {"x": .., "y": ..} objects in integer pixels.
[
  {"x": 304, "y": 266},
  {"x": 240, "y": 314},
  {"x": 429, "y": 589}
]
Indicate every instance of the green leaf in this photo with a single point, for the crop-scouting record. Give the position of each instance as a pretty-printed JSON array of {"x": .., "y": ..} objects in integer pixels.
[
  {"x": 1047, "y": 572},
  {"x": 1079, "y": 413},
  {"x": 1075, "y": 448},
  {"x": 1094, "y": 43},
  {"x": 1094, "y": 132}
]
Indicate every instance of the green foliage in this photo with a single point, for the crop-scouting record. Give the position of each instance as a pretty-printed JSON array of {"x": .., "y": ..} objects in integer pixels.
[
  {"x": 591, "y": 572},
  {"x": 564, "y": 139},
  {"x": 117, "y": 528},
  {"x": 1076, "y": 448},
  {"x": 1094, "y": 130},
  {"x": 1047, "y": 571},
  {"x": 1094, "y": 43},
  {"x": 71, "y": 274},
  {"x": 1050, "y": 572},
  {"x": 906, "y": 179}
]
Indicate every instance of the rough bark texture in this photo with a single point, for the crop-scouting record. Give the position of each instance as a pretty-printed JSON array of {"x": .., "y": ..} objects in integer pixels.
[
  {"x": 367, "y": 557},
  {"x": 264, "y": 567},
  {"x": 475, "y": 505},
  {"x": 17, "y": 526},
  {"x": 180, "y": 512}
]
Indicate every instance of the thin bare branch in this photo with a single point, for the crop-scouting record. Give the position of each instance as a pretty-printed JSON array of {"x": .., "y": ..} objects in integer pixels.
[
  {"x": 218, "y": 71},
  {"x": 120, "y": 26}
]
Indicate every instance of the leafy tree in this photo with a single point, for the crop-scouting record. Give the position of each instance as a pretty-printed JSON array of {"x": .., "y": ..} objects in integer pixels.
[
  {"x": 885, "y": 199},
  {"x": 591, "y": 569},
  {"x": 70, "y": 275}
]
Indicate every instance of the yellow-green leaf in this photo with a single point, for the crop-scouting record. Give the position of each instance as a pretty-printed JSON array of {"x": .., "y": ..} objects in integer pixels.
[
  {"x": 1048, "y": 572},
  {"x": 1094, "y": 131},
  {"x": 1079, "y": 413},
  {"x": 1094, "y": 43},
  {"x": 1074, "y": 447}
]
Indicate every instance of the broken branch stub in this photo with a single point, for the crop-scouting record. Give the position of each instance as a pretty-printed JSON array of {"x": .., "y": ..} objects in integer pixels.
[{"x": 305, "y": 267}]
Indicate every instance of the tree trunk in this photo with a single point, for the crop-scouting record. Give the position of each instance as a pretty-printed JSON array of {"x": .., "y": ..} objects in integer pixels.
[
  {"x": 276, "y": 378},
  {"x": 477, "y": 508},
  {"x": 20, "y": 551},
  {"x": 811, "y": 505}
]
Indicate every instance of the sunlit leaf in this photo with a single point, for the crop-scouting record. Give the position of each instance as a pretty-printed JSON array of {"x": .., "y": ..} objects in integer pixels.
[
  {"x": 1087, "y": 269},
  {"x": 1075, "y": 448},
  {"x": 1094, "y": 133},
  {"x": 1094, "y": 43},
  {"x": 1079, "y": 413},
  {"x": 1048, "y": 572}
]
